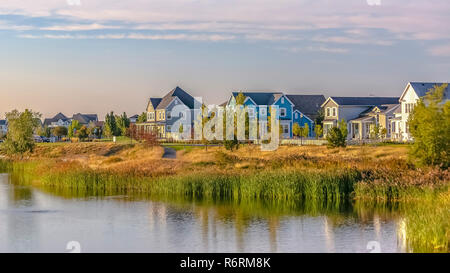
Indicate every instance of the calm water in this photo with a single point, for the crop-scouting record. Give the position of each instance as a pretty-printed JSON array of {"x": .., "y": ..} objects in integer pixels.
[{"x": 33, "y": 220}]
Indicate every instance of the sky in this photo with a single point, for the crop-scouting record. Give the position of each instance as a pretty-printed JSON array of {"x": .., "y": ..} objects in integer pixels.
[{"x": 94, "y": 56}]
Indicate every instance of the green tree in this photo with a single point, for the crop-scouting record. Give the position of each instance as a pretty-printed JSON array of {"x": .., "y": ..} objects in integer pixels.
[
  {"x": 60, "y": 131},
  {"x": 82, "y": 133},
  {"x": 73, "y": 128},
  {"x": 21, "y": 126},
  {"x": 304, "y": 131},
  {"x": 429, "y": 125},
  {"x": 110, "y": 128},
  {"x": 336, "y": 138},
  {"x": 318, "y": 131},
  {"x": 383, "y": 132},
  {"x": 320, "y": 117},
  {"x": 142, "y": 118},
  {"x": 240, "y": 99},
  {"x": 375, "y": 131},
  {"x": 123, "y": 123},
  {"x": 296, "y": 129},
  {"x": 342, "y": 125}
]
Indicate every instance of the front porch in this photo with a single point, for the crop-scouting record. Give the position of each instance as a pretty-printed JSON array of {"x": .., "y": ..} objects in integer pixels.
[{"x": 360, "y": 128}]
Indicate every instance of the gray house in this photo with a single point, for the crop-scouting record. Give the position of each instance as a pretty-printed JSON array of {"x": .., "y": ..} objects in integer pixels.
[
  {"x": 354, "y": 108},
  {"x": 168, "y": 114}
]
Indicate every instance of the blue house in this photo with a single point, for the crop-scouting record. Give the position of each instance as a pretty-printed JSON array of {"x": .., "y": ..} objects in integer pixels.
[
  {"x": 306, "y": 109},
  {"x": 262, "y": 101}
]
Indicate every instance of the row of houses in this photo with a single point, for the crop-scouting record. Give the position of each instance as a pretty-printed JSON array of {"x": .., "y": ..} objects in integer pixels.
[{"x": 361, "y": 114}]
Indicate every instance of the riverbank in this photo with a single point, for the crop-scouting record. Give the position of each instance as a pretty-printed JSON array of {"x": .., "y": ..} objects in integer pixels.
[
  {"x": 379, "y": 173},
  {"x": 291, "y": 177}
]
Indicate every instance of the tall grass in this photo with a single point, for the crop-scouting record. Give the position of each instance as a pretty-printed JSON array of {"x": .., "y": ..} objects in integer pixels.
[{"x": 278, "y": 185}]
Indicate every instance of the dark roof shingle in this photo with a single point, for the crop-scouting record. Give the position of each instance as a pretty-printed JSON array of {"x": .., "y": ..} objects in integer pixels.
[
  {"x": 365, "y": 101},
  {"x": 307, "y": 104}
]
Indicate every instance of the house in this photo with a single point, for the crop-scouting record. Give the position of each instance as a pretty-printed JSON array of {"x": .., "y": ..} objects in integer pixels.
[
  {"x": 412, "y": 93},
  {"x": 356, "y": 109},
  {"x": 58, "y": 120},
  {"x": 260, "y": 103},
  {"x": 3, "y": 127},
  {"x": 306, "y": 109},
  {"x": 301, "y": 109},
  {"x": 134, "y": 119},
  {"x": 85, "y": 119},
  {"x": 175, "y": 109},
  {"x": 380, "y": 115}
]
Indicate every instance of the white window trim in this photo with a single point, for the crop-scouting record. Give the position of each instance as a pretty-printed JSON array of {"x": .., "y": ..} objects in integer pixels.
[{"x": 281, "y": 112}]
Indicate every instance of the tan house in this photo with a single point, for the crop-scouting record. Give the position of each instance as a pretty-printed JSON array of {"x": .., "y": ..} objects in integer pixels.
[{"x": 166, "y": 115}]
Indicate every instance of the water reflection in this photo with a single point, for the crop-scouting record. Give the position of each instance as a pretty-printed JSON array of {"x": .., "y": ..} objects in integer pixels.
[{"x": 139, "y": 223}]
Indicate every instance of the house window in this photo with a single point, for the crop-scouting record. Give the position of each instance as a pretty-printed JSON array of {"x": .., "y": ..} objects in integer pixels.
[
  {"x": 181, "y": 114},
  {"x": 334, "y": 111},
  {"x": 169, "y": 128},
  {"x": 263, "y": 111},
  {"x": 169, "y": 115},
  {"x": 328, "y": 112},
  {"x": 296, "y": 115},
  {"x": 282, "y": 112},
  {"x": 251, "y": 112},
  {"x": 285, "y": 129},
  {"x": 282, "y": 100}
]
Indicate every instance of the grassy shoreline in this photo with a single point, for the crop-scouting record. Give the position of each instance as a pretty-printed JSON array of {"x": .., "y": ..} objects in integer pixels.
[
  {"x": 310, "y": 179},
  {"x": 367, "y": 173}
]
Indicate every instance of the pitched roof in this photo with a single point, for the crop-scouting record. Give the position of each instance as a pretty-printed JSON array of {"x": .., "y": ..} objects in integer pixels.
[
  {"x": 85, "y": 118},
  {"x": 261, "y": 98},
  {"x": 154, "y": 102},
  {"x": 384, "y": 108},
  {"x": 59, "y": 116},
  {"x": 307, "y": 104},
  {"x": 365, "y": 101},
  {"x": 187, "y": 99},
  {"x": 422, "y": 88}
]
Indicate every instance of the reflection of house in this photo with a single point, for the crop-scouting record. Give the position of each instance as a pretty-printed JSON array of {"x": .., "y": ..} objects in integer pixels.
[
  {"x": 351, "y": 108},
  {"x": 380, "y": 115},
  {"x": 59, "y": 120},
  {"x": 166, "y": 115},
  {"x": 412, "y": 93},
  {"x": 3, "y": 127}
]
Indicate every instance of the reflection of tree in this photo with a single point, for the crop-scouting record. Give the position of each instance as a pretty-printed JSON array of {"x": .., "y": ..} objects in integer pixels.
[{"x": 274, "y": 225}]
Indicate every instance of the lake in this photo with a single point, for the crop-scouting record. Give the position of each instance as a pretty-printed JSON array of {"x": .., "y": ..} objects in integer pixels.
[{"x": 39, "y": 220}]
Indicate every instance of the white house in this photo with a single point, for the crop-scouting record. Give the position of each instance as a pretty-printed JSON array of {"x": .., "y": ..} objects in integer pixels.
[{"x": 412, "y": 93}]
